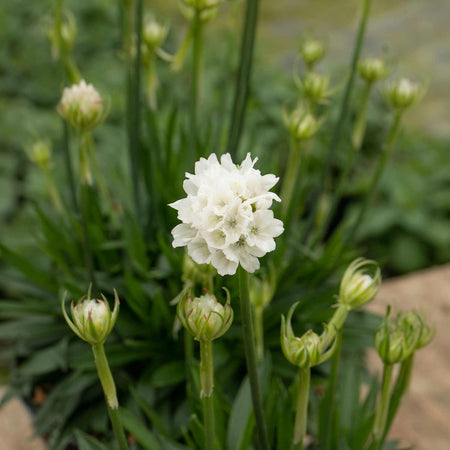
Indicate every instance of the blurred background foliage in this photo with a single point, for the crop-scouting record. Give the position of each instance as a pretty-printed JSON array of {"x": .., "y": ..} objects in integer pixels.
[{"x": 406, "y": 229}]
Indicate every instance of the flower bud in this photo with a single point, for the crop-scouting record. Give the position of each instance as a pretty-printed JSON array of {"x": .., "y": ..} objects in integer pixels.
[
  {"x": 311, "y": 51},
  {"x": 193, "y": 273},
  {"x": 398, "y": 337},
  {"x": 301, "y": 124},
  {"x": 40, "y": 154},
  {"x": 412, "y": 320},
  {"x": 68, "y": 32},
  {"x": 372, "y": 69},
  {"x": 315, "y": 86},
  {"x": 204, "y": 317},
  {"x": 360, "y": 283},
  {"x": 92, "y": 319},
  {"x": 82, "y": 106},
  {"x": 310, "y": 349},
  {"x": 403, "y": 93},
  {"x": 154, "y": 33},
  {"x": 207, "y": 8}
]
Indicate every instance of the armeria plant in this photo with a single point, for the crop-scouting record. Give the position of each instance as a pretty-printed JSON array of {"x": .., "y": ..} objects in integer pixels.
[{"x": 261, "y": 223}]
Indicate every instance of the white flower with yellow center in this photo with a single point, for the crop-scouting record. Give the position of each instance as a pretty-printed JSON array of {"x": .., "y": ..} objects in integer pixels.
[{"x": 226, "y": 216}]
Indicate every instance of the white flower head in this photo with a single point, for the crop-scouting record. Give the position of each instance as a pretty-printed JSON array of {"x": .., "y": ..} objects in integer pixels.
[
  {"x": 82, "y": 106},
  {"x": 226, "y": 216}
]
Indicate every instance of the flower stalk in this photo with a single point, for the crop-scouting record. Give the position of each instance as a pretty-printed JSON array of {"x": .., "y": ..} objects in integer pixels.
[
  {"x": 301, "y": 408},
  {"x": 250, "y": 356},
  {"x": 290, "y": 179},
  {"x": 206, "y": 394},
  {"x": 360, "y": 124}
]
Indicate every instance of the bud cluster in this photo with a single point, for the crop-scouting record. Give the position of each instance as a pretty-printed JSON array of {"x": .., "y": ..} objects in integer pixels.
[
  {"x": 308, "y": 350},
  {"x": 82, "y": 106},
  {"x": 372, "y": 69},
  {"x": 400, "y": 336},
  {"x": 301, "y": 123},
  {"x": 360, "y": 283},
  {"x": 92, "y": 319},
  {"x": 403, "y": 93},
  {"x": 311, "y": 51},
  {"x": 204, "y": 317}
]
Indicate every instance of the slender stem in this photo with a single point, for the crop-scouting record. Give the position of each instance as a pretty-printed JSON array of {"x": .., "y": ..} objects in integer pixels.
[
  {"x": 361, "y": 121},
  {"x": 196, "y": 75},
  {"x": 68, "y": 164},
  {"x": 337, "y": 132},
  {"x": 383, "y": 408},
  {"x": 84, "y": 168},
  {"x": 250, "y": 356},
  {"x": 301, "y": 408},
  {"x": 258, "y": 322},
  {"x": 243, "y": 77},
  {"x": 378, "y": 172},
  {"x": 52, "y": 190},
  {"x": 109, "y": 389},
  {"x": 401, "y": 386},
  {"x": 290, "y": 179},
  {"x": 206, "y": 393},
  {"x": 89, "y": 260},
  {"x": 337, "y": 321},
  {"x": 330, "y": 395}
]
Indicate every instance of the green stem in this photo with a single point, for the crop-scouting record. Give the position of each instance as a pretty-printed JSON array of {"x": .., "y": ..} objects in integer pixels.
[
  {"x": 243, "y": 77},
  {"x": 84, "y": 168},
  {"x": 290, "y": 179},
  {"x": 52, "y": 190},
  {"x": 258, "y": 321},
  {"x": 330, "y": 396},
  {"x": 196, "y": 75},
  {"x": 68, "y": 164},
  {"x": 89, "y": 260},
  {"x": 361, "y": 121},
  {"x": 401, "y": 386},
  {"x": 109, "y": 389},
  {"x": 206, "y": 393},
  {"x": 337, "y": 321},
  {"x": 383, "y": 408},
  {"x": 343, "y": 112},
  {"x": 250, "y": 356},
  {"x": 301, "y": 408},
  {"x": 378, "y": 172}
]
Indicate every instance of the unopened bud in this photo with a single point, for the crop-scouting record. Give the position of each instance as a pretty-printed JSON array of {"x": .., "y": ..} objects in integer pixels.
[
  {"x": 360, "y": 283},
  {"x": 372, "y": 69},
  {"x": 312, "y": 51},
  {"x": 301, "y": 123},
  {"x": 403, "y": 93},
  {"x": 154, "y": 33},
  {"x": 308, "y": 350},
  {"x": 40, "y": 154},
  {"x": 82, "y": 106},
  {"x": 204, "y": 317},
  {"x": 315, "y": 87},
  {"x": 261, "y": 292},
  {"x": 92, "y": 319}
]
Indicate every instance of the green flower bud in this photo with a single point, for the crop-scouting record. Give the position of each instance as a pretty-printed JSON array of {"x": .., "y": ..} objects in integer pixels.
[
  {"x": 194, "y": 273},
  {"x": 311, "y": 51},
  {"x": 403, "y": 93},
  {"x": 412, "y": 321},
  {"x": 398, "y": 337},
  {"x": 308, "y": 350},
  {"x": 68, "y": 32},
  {"x": 82, "y": 106},
  {"x": 301, "y": 124},
  {"x": 207, "y": 8},
  {"x": 360, "y": 283},
  {"x": 372, "y": 69},
  {"x": 92, "y": 319},
  {"x": 315, "y": 87},
  {"x": 40, "y": 154},
  {"x": 154, "y": 33},
  {"x": 204, "y": 317}
]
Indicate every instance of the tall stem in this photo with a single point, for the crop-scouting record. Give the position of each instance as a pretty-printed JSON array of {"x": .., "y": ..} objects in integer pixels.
[
  {"x": 343, "y": 112},
  {"x": 330, "y": 396},
  {"x": 383, "y": 408},
  {"x": 258, "y": 321},
  {"x": 301, "y": 408},
  {"x": 52, "y": 190},
  {"x": 243, "y": 77},
  {"x": 196, "y": 76},
  {"x": 361, "y": 121},
  {"x": 378, "y": 172},
  {"x": 109, "y": 389},
  {"x": 290, "y": 178},
  {"x": 206, "y": 394},
  {"x": 250, "y": 356}
]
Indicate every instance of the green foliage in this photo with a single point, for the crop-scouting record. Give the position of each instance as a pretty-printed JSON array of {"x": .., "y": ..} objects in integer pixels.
[{"x": 44, "y": 253}]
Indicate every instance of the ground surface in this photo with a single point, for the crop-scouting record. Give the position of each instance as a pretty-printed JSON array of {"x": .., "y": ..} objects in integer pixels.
[{"x": 423, "y": 416}]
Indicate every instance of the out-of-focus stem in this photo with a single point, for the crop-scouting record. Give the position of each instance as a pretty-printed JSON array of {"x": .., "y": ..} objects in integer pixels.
[
  {"x": 52, "y": 190},
  {"x": 361, "y": 121},
  {"x": 290, "y": 178},
  {"x": 206, "y": 394},
  {"x": 301, "y": 408},
  {"x": 258, "y": 320}
]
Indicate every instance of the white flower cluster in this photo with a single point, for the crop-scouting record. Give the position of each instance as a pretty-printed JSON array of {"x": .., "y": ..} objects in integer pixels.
[{"x": 226, "y": 216}]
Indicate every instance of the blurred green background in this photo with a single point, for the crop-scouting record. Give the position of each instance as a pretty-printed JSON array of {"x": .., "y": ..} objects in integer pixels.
[{"x": 408, "y": 227}]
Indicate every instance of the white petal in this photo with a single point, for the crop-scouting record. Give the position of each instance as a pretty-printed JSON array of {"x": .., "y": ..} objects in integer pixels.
[
  {"x": 223, "y": 265},
  {"x": 249, "y": 262},
  {"x": 198, "y": 250},
  {"x": 182, "y": 235}
]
